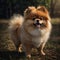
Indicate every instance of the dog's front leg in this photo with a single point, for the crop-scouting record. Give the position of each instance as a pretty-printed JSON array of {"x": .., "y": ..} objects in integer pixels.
[
  {"x": 40, "y": 49},
  {"x": 27, "y": 49}
]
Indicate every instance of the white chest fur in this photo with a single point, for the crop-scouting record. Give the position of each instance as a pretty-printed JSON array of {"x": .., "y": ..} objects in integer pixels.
[
  {"x": 37, "y": 41},
  {"x": 40, "y": 37},
  {"x": 35, "y": 32}
]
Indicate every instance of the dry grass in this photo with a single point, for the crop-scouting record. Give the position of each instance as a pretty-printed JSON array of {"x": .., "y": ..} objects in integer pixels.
[{"x": 55, "y": 20}]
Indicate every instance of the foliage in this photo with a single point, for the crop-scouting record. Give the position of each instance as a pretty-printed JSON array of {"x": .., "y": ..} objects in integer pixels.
[{"x": 9, "y": 7}]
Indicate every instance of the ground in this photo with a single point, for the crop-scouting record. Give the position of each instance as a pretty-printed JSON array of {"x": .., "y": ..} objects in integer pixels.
[{"x": 52, "y": 48}]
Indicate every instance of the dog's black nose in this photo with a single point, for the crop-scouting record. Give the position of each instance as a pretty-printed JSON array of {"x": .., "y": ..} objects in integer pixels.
[{"x": 37, "y": 21}]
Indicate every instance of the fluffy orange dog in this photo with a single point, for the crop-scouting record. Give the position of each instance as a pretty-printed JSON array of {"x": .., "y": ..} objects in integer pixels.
[{"x": 31, "y": 31}]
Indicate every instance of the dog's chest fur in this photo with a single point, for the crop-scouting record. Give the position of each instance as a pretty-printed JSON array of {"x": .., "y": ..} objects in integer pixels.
[
  {"x": 36, "y": 41},
  {"x": 37, "y": 37},
  {"x": 35, "y": 32}
]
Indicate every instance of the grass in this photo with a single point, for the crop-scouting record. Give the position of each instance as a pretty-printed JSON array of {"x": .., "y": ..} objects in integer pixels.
[
  {"x": 55, "y": 20},
  {"x": 52, "y": 47}
]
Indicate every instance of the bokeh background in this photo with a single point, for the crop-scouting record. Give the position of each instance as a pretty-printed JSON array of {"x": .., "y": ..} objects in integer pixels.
[{"x": 10, "y": 7}]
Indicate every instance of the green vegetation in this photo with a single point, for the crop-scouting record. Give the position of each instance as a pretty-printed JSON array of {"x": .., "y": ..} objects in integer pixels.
[{"x": 9, "y": 7}]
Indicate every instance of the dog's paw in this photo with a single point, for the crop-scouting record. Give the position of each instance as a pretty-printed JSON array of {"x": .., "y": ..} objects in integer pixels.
[{"x": 42, "y": 52}]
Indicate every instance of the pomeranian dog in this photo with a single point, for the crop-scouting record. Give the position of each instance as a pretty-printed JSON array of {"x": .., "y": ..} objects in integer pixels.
[{"x": 32, "y": 30}]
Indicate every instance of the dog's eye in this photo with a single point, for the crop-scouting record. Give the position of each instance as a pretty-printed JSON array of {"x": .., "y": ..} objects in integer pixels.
[
  {"x": 33, "y": 18},
  {"x": 41, "y": 18}
]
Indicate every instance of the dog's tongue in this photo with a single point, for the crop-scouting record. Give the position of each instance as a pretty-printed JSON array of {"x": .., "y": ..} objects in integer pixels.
[{"x": 38, "y": 26}]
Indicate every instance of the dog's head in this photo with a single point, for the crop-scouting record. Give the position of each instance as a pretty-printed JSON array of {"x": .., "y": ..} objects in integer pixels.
[{"x": 37, "y": 17}]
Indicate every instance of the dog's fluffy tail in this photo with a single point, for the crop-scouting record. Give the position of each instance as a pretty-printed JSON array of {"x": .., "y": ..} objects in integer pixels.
[
  {"x": 14, "y": 28},
  {"x": 15, "y": 22}
]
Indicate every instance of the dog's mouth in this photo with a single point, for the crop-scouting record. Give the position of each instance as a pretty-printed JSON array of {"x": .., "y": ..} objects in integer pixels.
[{"x": 38, "y": 25}]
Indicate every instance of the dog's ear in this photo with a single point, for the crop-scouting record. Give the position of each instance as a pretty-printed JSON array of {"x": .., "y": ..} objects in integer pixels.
[
  {"x": 28, "y": 10},
  {"x": 42, "y": 8}
]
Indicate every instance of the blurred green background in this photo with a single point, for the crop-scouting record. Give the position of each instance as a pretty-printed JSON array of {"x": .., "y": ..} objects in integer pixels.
[{"x": 9, "y": 7}]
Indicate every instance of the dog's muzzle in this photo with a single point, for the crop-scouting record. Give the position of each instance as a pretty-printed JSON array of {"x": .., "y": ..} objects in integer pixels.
[{"x": 37, "y": 24}]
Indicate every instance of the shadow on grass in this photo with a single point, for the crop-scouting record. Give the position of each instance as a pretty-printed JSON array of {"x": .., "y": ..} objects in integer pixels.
[{"x": 11, "y": 55}]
